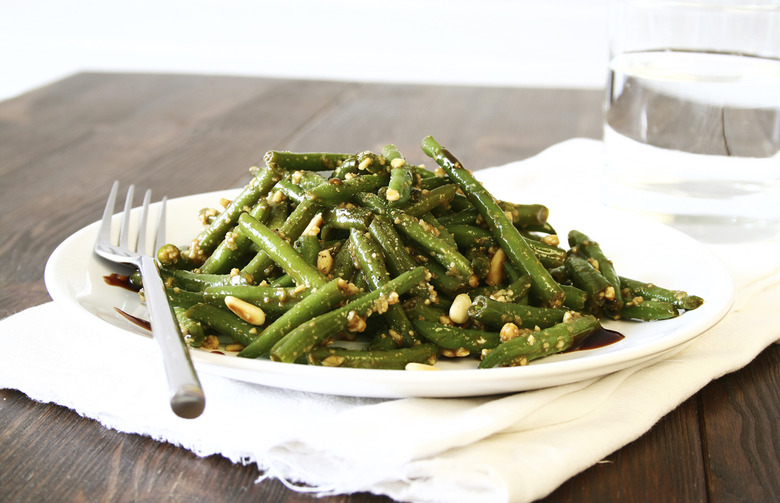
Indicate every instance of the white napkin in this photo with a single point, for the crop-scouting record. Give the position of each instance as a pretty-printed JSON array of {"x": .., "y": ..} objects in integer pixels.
[{"x": 423, "y": 450}]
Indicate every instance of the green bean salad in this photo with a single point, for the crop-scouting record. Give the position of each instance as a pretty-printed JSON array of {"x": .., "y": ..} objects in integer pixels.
[{"x": 367, "y": 260}]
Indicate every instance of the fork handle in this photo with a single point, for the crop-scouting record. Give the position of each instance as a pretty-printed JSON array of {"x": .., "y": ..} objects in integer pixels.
[{"x": 186, "y": 394}]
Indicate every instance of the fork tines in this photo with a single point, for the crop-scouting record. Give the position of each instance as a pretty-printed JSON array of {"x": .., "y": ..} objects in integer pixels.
[{"x": 124, "y": 229}]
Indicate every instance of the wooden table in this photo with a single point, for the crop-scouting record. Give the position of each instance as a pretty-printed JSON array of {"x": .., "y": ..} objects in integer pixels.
[{"x": 62, "y": 145}]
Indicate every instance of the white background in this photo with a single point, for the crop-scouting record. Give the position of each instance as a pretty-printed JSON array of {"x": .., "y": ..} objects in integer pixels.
[{"x": 555, "y": 43}]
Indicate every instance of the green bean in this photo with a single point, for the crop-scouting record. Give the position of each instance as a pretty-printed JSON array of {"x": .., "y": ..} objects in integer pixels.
[
  {"x": 283, "y": 281},
  {"x": 524, "y": 215},
  {"x": 381, "y": 340},
  {"x": 469, "y": 236},
  {"x": 445, "y": 283},
  {"x": 495, "y": 314},
  {"x": 440, "y": 230},
  {"x": 418, "y": 309},
  {"x": 648, "y": 310},
  {"x": 369, "y": 258},
  {"x": 234, "y": 246},
  {"x": 433, "y": 199},
  {"x": 467, "y": 216},
  {"x": 545, "y": 228},
  {"x": 513, "y": 293},
  {"x": 193, "y": 332},
  {"x": 460, "y": 203},
  {"x": 480, "y": 263},
  {"x": 511, "y": 273},
  {"x": 307, "y": 180},
  {"x": 179, "y": 297},
  {"x": 549, "y": 255},
  {"x": 291, "y": 190},
  {"x": 587, "y": 278},
  {"x": 454, "y": 338},
  {"x": 343, "y": 265},
  {"x": 651, "y": 291},
  {"x": 371, "y": 163},
  {"x": 576, "y": 299},
  {"x": 210, "y": 237},
  {"x": 171, "y": 256},
  {"x": 430, "y": 183},
  {"x": 224, "y": 322},
  {"x": 338, "y": 191},
  {"x": 399, "y": 187},
  {"x": 360, "y": 281},
  {"x": 581, "y": 243},
  {"x": 292, "y": 229},
  {"x": 195, "y": 282},
  {"x": 391, "y": 359},
  {"x": 280, "y": 298},
  {"x": 397, "y": 259},
  {"x": 347, "y": 167},
  {"x": 372, "y": 264},
  {"x": 373, "y": 202},
  {"x": 423, "y": 173},
  {"x": 525, "y": 348},
  {"x": 308, "y": 245},
  {"x": 390, "y": 153},
  {"x": 298, "y": 220},
  {"x": 135, "y": 281},
  {"x": 444, "y": 253},
  {"x": 281, "y": 252},
  {"x": 348, "y": 218},
  {"x": 516, "y": 248},
  {"x": 279, "y": 215},
  {"x": 317, "y": 302},
  {"x": 561, "y": 275},
  {"x": 305, "y": 337},
  {"x": 304, "y": 161}
]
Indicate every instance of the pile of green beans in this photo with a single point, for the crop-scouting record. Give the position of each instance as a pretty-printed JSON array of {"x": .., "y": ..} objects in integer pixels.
[{"x": 366, "y": 260}]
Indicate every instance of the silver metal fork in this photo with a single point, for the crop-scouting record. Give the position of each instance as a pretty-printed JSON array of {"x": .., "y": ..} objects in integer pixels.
[{"x": 186, "y": 395}]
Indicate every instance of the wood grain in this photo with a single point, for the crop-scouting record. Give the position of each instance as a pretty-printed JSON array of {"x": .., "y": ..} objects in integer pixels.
[
  {"x": 740, "y": 424},
  {"x": 62, "y": 145}
]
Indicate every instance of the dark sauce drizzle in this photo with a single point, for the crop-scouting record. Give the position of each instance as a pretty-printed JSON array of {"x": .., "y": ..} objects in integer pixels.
[
  {"x": 120, "y": 280},
  {"x": 134, "y": 319},
  {"x": 599, "y": 338}
]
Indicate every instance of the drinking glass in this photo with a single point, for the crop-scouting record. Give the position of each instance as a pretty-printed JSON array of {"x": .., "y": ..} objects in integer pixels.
[{"x": 692, "y": 114}]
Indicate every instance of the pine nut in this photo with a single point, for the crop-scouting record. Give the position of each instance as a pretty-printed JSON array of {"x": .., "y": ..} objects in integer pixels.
[
  {"x": 496, "y": 274},
  {"x": 459, "y": 310},
  {"x": 250, "y": 313}
]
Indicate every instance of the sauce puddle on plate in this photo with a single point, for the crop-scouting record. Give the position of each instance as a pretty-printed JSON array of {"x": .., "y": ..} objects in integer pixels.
[
  {"x": 120, "y": 280},
  {"x": 134, "y": 319},
  {"x": 597, "y": 339}
]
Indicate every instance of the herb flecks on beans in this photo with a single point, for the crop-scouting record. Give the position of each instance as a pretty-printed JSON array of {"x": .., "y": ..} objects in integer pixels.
[{"x": 369, "y": 260}]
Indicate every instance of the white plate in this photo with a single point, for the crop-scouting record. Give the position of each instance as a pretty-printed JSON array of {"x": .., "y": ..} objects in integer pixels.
[{"x": 649, "y": 252}]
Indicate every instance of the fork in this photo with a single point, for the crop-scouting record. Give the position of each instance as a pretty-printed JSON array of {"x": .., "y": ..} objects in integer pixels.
[{"x": 186, "y": 395}]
